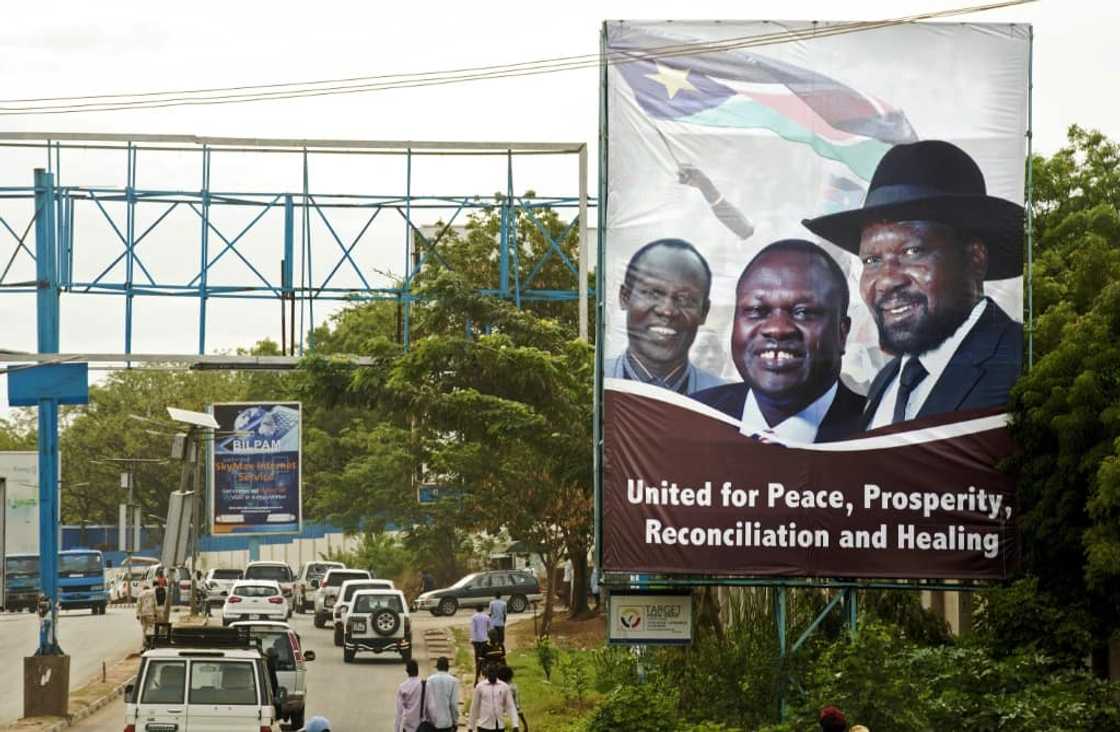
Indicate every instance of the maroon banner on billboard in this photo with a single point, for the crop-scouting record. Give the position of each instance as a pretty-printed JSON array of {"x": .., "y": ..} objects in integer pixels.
[{"x": 686, "y": 492}]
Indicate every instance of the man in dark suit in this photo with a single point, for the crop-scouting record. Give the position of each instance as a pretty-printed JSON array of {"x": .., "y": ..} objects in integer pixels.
[
  {"x": 787, "y": 342},
  {"x": 929, "y": 236}
]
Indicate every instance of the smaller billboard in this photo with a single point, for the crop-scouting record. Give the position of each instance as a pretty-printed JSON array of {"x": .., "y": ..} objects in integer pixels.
[
  {"x": 640, "y": 618},
  {"x": 256, "y": 468}
]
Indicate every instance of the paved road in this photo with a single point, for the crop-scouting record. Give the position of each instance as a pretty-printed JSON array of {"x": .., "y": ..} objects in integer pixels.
[
  {"x": 89, "y": 640},
  {"x": 357, "y": 696}
]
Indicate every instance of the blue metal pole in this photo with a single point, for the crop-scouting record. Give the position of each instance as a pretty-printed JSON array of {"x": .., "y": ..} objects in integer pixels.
[
  {"x": 205, "y": 250},
  {"x": 850, "y": 604},
  {"x": 47, "y": 323},
  {"x": 780, "y": 623},
  {"x": 406, "y": 304},
  {"x": 254, "y": 549},
  {"x": 503, "y": 262},
  {"x": 130, "y": 221},
  {"x": 307, "y": 234}
]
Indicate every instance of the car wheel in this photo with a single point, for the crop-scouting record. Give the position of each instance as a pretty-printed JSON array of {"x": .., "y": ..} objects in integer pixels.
[
  {"x": 347, "y": 655},
  {"x": 338, "y": 635},
  {"x": 448, "y": 606},
  {"x": 295, "y": 722},
  {"x": 518, "y": 604}
]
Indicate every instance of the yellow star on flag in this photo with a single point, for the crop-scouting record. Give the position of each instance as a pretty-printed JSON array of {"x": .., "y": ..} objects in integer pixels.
[{"x": 672, "y": 79}]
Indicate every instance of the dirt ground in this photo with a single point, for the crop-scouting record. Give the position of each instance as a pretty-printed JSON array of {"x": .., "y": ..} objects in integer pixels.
[{"x": 586, "y": 632}]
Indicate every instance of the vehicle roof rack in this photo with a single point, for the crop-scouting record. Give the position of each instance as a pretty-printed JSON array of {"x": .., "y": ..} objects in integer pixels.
[{"x": 167, "y": 636}]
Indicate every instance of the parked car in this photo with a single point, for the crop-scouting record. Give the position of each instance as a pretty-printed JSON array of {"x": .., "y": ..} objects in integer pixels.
[
  {"x": 202, "y": 679},
  {"x": 254, "y": 599},
  {"x": 345, "y": 594},
  {"x": 289, "y": 662},
  {"x": 378, "y": 621},
  {"x": 307, "y": 582},
  {"x": 327, "y": 593},
  {"x": 518, "y": 587},
  {"x": 218, "y": 583},
  {"x": 278, "y": 572}
]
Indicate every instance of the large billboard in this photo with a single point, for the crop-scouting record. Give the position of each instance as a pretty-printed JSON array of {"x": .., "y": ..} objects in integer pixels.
[
  {"x": 812, "y": 298},
  {"x": 256, "y": 468}
]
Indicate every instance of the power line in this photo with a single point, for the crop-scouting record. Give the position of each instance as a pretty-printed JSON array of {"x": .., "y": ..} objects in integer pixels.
[{"x": 335, "y": 87}]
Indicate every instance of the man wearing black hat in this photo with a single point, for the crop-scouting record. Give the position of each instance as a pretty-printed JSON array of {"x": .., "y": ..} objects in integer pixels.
[
  {"x": 929, "y": 236},
  {"x": 787, "y": 341}
]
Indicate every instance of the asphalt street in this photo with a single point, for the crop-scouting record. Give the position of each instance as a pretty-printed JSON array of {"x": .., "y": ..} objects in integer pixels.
[
  {"x": 355, "y": 696},
  {"x": 89, "y": 639}
]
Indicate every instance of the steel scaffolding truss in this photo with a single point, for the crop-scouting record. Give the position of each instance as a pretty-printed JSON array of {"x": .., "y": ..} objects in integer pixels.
[{"x": 303, "y": 277}]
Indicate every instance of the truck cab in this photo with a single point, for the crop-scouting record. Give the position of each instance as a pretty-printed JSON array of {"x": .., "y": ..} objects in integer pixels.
[
  {"x": 21, "y": 582},
  {"x": 81, "y": 580}
]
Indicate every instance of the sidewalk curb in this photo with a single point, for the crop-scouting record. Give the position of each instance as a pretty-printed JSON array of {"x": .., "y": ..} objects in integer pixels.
[{"x": 88, "y": 710}]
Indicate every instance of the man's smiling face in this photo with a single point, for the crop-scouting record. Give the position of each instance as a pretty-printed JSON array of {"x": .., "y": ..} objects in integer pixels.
[
  {"x": 665, "y": 302},
  {"x": 790, "y": 329},
  {"x": 920, "y": 280}
]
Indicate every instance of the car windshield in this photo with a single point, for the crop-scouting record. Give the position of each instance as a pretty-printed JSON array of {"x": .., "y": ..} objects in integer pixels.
[
  {"x": 316, "y": 571},
  {"x": 22, "y": 565},
  {"x": 255, "y": 591},
  {"x": 465, "y": 581},
  {"x": 226, "y": 574},
  {"x": 368, "y": 603},
  {"x": 275, "y": 641},
  {"x": 72, "y": 563},
  {"x": 269, "y": 572},
  {"x": 335, "y": 579},
  {"x": 136, "y": 572}
]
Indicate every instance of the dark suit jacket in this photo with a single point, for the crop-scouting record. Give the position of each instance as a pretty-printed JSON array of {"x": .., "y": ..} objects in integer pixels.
[
  {"x": 844, "y": 417},
  {"x": 979, "y": 375}
]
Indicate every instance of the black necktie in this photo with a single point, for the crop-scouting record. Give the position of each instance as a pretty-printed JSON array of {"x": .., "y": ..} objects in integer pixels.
[{"x": 912, "y": 374}]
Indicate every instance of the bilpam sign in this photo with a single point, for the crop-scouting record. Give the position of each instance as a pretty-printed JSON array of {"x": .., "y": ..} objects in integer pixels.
[
  {"x": 812, "y": 283},
  {"x": 641, "y": 618},
  {"x": 256, "y": 469}
]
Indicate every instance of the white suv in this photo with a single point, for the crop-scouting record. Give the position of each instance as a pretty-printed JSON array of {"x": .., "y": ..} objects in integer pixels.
[
  {"x": 346, "y": 594},
  {"x": 209, "y": 679},
  {"x": 327, "y": 594},
  {"x": 378, "y": 621}
]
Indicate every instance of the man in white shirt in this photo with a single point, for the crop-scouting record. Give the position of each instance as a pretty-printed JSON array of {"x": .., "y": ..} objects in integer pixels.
[
  {"x": 787, "y": 342},
  {"x": 929, "y": 237},
  {"x": 492, "y": 701},
  {"x": 442, "y": 698},
  {"x": 498, "y": 616},
  {"x": 408, "y": 699},
  {"x": 480, "y": 635}
]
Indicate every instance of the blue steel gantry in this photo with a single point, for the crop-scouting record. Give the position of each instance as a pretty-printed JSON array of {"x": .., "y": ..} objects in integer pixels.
[{"x": 306, "y": 257}]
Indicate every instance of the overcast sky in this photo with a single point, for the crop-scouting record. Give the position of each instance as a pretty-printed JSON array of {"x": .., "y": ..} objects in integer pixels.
[{"x": 72, "y": 48}]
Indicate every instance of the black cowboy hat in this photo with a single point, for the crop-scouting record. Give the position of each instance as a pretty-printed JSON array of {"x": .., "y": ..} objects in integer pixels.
[{"x": 933, "y": 180}]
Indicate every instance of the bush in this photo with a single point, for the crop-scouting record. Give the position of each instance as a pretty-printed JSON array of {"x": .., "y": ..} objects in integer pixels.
[
  {"x": 649, "y": 707},
  {"x": 546, "y": 655},
  {"x": 1023, "y": 617},
  {"x": 613, "y": 666},
  {"x": 575, "y": 677}
]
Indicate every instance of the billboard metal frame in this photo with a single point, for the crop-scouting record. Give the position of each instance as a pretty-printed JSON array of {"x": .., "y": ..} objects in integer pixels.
[{"x": 848, "y": 587}]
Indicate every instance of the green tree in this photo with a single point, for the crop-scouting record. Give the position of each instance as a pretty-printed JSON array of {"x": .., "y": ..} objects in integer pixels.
[{"x": 1066, "y": 409}]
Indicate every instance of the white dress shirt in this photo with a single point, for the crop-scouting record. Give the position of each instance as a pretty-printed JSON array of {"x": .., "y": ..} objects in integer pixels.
[
  {"x": 441, "y": 697},
  {"x": 408, "y": 705},
  {"x": 491, "y": 702},
  {"x": 800, "y": 428},
  {"x": 934, "y": 361}
]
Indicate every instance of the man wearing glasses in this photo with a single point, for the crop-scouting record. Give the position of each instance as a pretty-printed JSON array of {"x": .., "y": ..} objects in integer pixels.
[{"x": 665, "y": 296}]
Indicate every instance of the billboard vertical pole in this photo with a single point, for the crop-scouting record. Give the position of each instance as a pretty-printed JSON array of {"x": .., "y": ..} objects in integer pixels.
[
  {"x": 47, "y": 326},
  {"x": 254, "y": 548},
  {"x": 780, "y": 625},
  {"x": 129, "y": 243},
  {"x": 1030, "y": 197},
  {"x": 583, "y": 243},
  {"x": 852, "y": 608},
  {"x": 597, "y": 405},
  {"x": 204, "y": 250}
]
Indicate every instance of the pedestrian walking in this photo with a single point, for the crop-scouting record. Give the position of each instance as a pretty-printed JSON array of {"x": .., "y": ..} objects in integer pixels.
[
  {"x": 492, "y": 701},
  {"x": 163, "y": 610},
  {"x": 832, "y": 720},
  {"x": 442, "y": 705},
  {"x": 493, "y": 652},
  {"x": 408, "y": 699},
  {"x": 505, "y": 674},
  {"x": 427, "y": 581},
  {"x": 146, "y": 612},
  {"x": 498, "y": 616},
  {"x": 480, "y": 634}
]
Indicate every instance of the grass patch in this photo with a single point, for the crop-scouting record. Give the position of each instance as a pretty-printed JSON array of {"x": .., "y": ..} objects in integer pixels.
[
  {"x": 544, "y": 703},
  {"x": 464, "y": 654}
]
